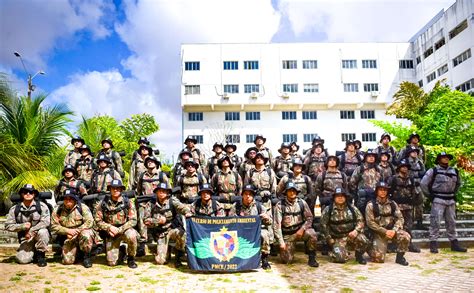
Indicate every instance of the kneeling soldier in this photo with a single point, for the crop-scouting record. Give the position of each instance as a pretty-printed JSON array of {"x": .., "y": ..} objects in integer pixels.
[
  {"x": 116, "y": 215},
  {"x": 293, "y": 221},
  {"x": 342, "y": 225},
  {"x": 31, "y": 219},
  {"x": 161, "y": 215},
  {"x": 205, "y": 206},
  {"x": 385, "y": 222},
  {"x": 73, "y": 220}
]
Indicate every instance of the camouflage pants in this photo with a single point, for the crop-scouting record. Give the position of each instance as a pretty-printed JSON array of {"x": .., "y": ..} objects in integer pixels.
[
  {"x": 407, "y": 219},
  {"x": 175, "y": 234},
  {"x": 340, "y": 248},
  {"x": 271, "y": 235},
  {"x": 84, "y": 240},
  {"x": 441, "y": 211},
  {"x": 418, "y": 208},
  {"x": 39, "y": 242},
  {"x": 379, "y": 245},
  {"x": 309, "y": 237},
  {"x": 142, "y": 228},
  {"x": 112, "y": 245},
  {"x": 264, "y": 235}
]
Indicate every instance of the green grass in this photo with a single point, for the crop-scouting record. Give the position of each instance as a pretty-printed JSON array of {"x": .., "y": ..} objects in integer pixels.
[
  {"x": 293, "y": 287},
  {"x": 361, "y": 278},
  {"x": 93, "y": 288},
  {"x": 15, "y": 279},
  {"x": 346, "y": 290},
  {"x": 47, "y": 290},
  {"x": 428, "y": 272},
  {"x": 306, "y": 288},
  {"x": 120, "y": 276},
  {"x": 47, "y": 282},
  {"x": 148, "y": 280},
  {"x": 416, "y": 266},
  {"x": 95, "y": 283},
  {"x": 21, "y": 274}
]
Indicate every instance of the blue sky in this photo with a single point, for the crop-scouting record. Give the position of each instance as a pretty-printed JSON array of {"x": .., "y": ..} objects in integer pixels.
[{"x": 123, "y": 57}]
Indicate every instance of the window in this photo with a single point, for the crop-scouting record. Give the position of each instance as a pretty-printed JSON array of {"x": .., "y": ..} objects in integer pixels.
[
  {"x": 462, "y": 57},
  {"x": 195, "y": 116},
  {"x": 347, "y": 115},
  {"x": 192, "y": 90},
  {"x": 252, "y": 115},
  {"x": 367, "y": 114},
  {"x": 308, "y": 137},
  {"x": 351, "y": 87},
  {"x": 288, "y": 115},
  {"x": 310, "y": 64},
  {"x": 443, "y": 69},
  {"x": 311, "y": 88},
  {"x": 250, "y": 65},
  {"x": 418, "y": 60},
  {"x": 231, "y": 65},
  {"x": 232, "y": 138},
  {"x": 290, "y": 64},
  {"x": 440, "y": 44},
  {"x": 464, "y": 87},
  {"x": 458, "y": 29},
  {"x": 348, "y": 136},
  {"x": 310, "y": 115},
  {"x": 290, "y": 87},
  {"x": 232, "y": 116},
  {"x": 428, "y": 52},
  {"x": 349, "y": 63},
  {"x": 288, "y": 138},
  {"x": 198, "y": 138},
  {"x": 371, "y": 87},
  {"x": 231, "y": 88},
  {"x": 369, "y": 136},
  {"x": 369, "y": 63},
  {"x": 250, "y": 138},
  {"x": 251, "y": 88},
  {"x": 431, "y": 77},
  {"x": 420, "y": 83},
  {"x": 407, "y": 64},
  {"x": 192, "y": 66}
]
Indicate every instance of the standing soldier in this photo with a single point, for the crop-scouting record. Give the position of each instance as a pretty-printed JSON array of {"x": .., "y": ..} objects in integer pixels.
[
  {"x": 293, "y": 221},
  {"x": 316, "y": 140},
  {"x": 417, "y": 171},
  {"x": 117, "y": 215},
  {"x": 162, "y": 218},
  {"x": 386, "y": 168},
  {"x": 294, "y": 148},
  {"x": 350, "y": 159},
  {"x": 230, "y": 150},
  {"x": 329, "y": 180},
  {"x": 263, "y": 178},
  {"x": 142, "y": 141},
  {"x": 30, "y": 219},
  {"x": 190, "y": 181},
  {"x": 385, "y": 147},
  {"x": 196, "y": 153},
  {"x": 115, "y": 159},
  {"x": 85, "y": 166},
  {"x": 103, "y": 176},
  {"x": 73, "y": 221},
  {"x": 248, "y": 163},
  {"x": 249, "y": 207},
  {"x": 315, "y": 162},
  {"x": 259, "y": 142},
  {"x": 226, "y": 182},
  {"x": 178, "y": 168},
  {"x": 138, "y": 166},
  {"x": 283, "y": 162},
  {"x": 212, "y": 167},
  {"x": 413, "y": 141},
  {"x": 69, "y": 181},
  {"x": 385, "y": 222},
  {"x": 73, "y": 155},
  {"x": 342, "y": 225},
  {"x": 205, "y": 205},
  {"x": 442, "y": 183}
]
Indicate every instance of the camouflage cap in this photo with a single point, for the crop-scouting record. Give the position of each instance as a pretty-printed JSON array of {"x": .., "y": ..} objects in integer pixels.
[
  {"x": 340, "y": 190},
  {"x": 383, "y": 185},
  {"x": 108, "y": 140},
  {"x": 116, "y": 183},
  {"x": 225, "y": 158},
  {"x": 249, "y": 187},
  {"x": 403, "y": 163},
  {"x": 70, "y": 192}
]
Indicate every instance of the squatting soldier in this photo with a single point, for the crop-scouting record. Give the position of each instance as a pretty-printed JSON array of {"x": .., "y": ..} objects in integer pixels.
[
  {"x": 117, "y": 215},
  {"x": 249, "y": 207},
  {"x": 230, "y": 150},
  {"x": 205, "y": 205},
  {"x": 283, "y": 162},
  {"x": 115, "y": 159},
  {"x": 226, "y": 182},
  {"x": 103, "y": 176},
  {"x": 350, "y": 159},
  {"x": 294, "y": 148},
  {"x": 417, "y": 171},
  {"x": 329, "y": 180},
  {"x": 73, "y": 155},
  {"x": 315, "y": 162},
  {"x": 293, "y": 221},
  {"x": 248, "y": 163},
  {"x": 85, "y": 166},
  {"x": 161, "y": 217},
  {"x": 30, "y": 219},
  {"x": 442, "y": 183},
  {"x": 69, "y": 181},
  {"x": 385, "y": 222},
  {"x": 386, "y": 167},
  {"x": 385, "y": 147},
  {"x": 342, "y": 225},
  {"x": 259, "y": 142},
  {"x": 138, "y": 166},
  {"x": 73, "y": 221},
  {"x": 190, "y": 181},
  {"x": 212, "y": 167},
  {"x": 196, "y": 153},
  {"x": 178, "y": 168}
]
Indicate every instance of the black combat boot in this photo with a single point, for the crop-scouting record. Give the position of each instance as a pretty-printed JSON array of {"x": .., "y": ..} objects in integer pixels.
[
  {"x": 456, "y": 247},
  {"x": 360, "y": 258},
  {"x": 122, "y": 254},
  {"x": 265, "y": 264},
  {"x": 273, "y": 250},
  {"x": 419, "y": 226},
  {"x": 324, "y": 249},
  {"x": 434, "y": 246},
  {"x": 131, "y": 262},
  {"x": 98, "y": 249},
  {"x": 401, "y": 259},
  {"x": 141, "y": 251},
  {"x": 41, "y": 259},
  {"x": 413, "y": 248},
  {"x": 177, "y": 258},
  {"x": 87, "y": 262},
  {"x": 312, "y": 262}
]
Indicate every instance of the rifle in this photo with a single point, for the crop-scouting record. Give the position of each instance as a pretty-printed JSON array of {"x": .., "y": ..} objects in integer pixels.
[{"x": 42, "y": 196}]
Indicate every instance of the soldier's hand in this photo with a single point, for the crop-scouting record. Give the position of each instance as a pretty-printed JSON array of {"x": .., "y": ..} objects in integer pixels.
[
  {"x": 27, "y": 225},
  {"x": 331, "y": 242},
  {"x": 353, "y": 234},
  {"x": 113, "y": 231},
  {"x": 27, "y": 235},
  {"x": 162, "y": 221},
  {"x": 147, "y": 222},
  {"x": 283, "y": 246},
  {"x": 390, "y": 234},
  {"x": 72, "y": 233},
  {"x": 188, "y": 215},
  {"x": 299, "y": 233}
]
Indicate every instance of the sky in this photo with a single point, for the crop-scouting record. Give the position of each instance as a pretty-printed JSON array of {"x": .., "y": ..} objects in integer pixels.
[{"x": 123, "y": 57}]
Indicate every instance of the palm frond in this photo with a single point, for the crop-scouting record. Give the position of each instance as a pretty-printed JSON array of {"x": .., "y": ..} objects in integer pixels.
[{"x": 42, "y": 180}]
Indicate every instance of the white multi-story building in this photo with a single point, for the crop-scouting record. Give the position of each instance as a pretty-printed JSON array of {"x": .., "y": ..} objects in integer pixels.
[{"x": 295, "y": 91}]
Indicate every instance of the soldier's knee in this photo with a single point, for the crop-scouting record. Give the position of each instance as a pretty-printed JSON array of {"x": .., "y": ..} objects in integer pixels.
[
  {"x": 24, "y": 257},
  {"x": 43, "y": 234},
  {"x": 160, "y": 260},
  {"x": 68, "y": 261}
]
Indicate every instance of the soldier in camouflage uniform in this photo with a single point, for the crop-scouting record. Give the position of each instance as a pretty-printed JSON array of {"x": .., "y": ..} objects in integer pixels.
[
  {"x": 283, "y": 162},
  {"x": 138, "y": 166},
  {"x": 350, "y": 159},
  {"x": 142, "y": 141},
  {"x": 329, "y": 180},
  {"x": 117, "y": 215},
  {"x": 30, "y": 219},
  {"x": 69, "y": 181},
  {"x": 385, "y": 222},
  {"x": 73, "y": 221},
  {"x": 249, "y": 207},
  {"x": 212, "y": 167},
  {"x": 190, "y": 181},
  {"x": 162, "y": 219},
  {"x": 103, "y": 176},
  {"x": 302, "y": 183},
  {"x": 205, "y": 205},
  {"x": 293, "y": 221},
  {"x": 417, "y": 171},
  {"x": 315, "y": 162},
  {"x": 114, "y": 157},
  {"x": 74, "y": 155},
  {"x": 196, "y": 153},
  {"x": 403, "y": 191},
  {"x": 413, "y": 141},
  {"x": 259, "y": 142},
  {"x": 441, "y": 183},
  {"x": 85, "y": 166},
  {"x": 226, "y": 183},
  {"x": 385, "y": 147},
  {"x": 387, "y": 170},
  {"x": 178, "y": 168},
  {"x": 230, "y": 150},
  {"x": 316, "y": 140},
  {"x": 294, "y": 148},
  {"x": 342, "y": 225},
  {"x": 248, "y": 163}
]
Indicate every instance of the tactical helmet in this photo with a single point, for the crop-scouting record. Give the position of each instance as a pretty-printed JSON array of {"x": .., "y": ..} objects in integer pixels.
[
  {"x": 225, "y": 158},
  {"x": 230, "y": 145},
  {"x": 386, "y": 154},
  {"x": 185, "y": 152},
  {"x": 191, "y": 161},
  {"x": 143, "y": 140},
  {"x": 249, "y": 187},
  {"x": 246, "y": 155},
  {"x": 412, "y": 149},
  {"x": 384, "y": 136},
  {"x": 259, "y": 136},
  {"x": 190, "y": 138},
  {"x": 69, "y": 167},
  {"x": 217, "y": 145},
  {"x": 349, "y": 142},
  {"x": 297, "y": 162},
  {"x": 295, "y": 144},
  {"x": 163, "y": 186},
  {"x": 414, "y": 134},
  {"x": 402, "y": 163},
  {"x": 77, "y": 138},
  {"x": 70, "y": 192},
  {"x": 116, "y": 183},
  {"x": 260, "y": 154},
  {"x": 109, "y": 141},
  {"x": 333, "y": 158},
  {"x": 85, "y": 147},
  {"x": 145, "y": 147},
  {"x": 317, "y": 139},
  {"x": 104, "y": 158},
  {"x": 443, "y": 154},
  {"x": 357, "y": 144},
  {"x": 154, "y": 159},
  {"x": 371, "y": 152},
  {"x": 382, "y": 184},
  {"x": 205, "y": 187},
  {"x": 291, "y": 185},
  {"x": 340, "y": 190},
  {"x": 28, "y": 187},
  {"x": 284, "y": 145}
]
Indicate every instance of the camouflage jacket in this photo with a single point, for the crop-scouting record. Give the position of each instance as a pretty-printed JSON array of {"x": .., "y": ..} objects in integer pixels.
[
  {"x": 349, "y": 162},
  {"x": 444, "y": 186},
  {"x": 402, "y": 191},
  {"x": 315, "y": 164},
  {"x": 268, "y": 153},
  {"x": 302, "y": 182},
  {"x": 282, "y": 166},
  {"x": 227, "y": 184},
  {"x": 148, "y": 181},
  {"x": 189, "y": 184},
  {"x": 114, "y": 158},
  {"x": 212, "y": 209},
  {"x": 417, "y": 168},
  {"x": 137, "y": 168},
  {"x": 340, "y": 221},
  {"x": 212, "y": 167},
  {"x": 251, "y": 210},
  {"x": 85, "y": 168},
  {"x": 71, "y": 157},
  {"x": 289, "y": 219},
  {"x": 236, "y": 160},
  {"x": 198, "y": 157},
  {"x": 385, "y": 221},
  {"x": 365, "y": 177},
  {"x": 102, "y": 178},
  {"x": 65, "y": 184},
  {"x": 28, "y": 214},
  {"x": 169, "y": 210},
  {"x": 386, "y": 170},
  {"x": 264, "y": 180},
  {"x": 63, "y": 219},
  {"x": 326, "y": 186},
  {"x": 245, "y": 167},
  {"x": 114, "y": 213},
  {"x": 403, "y": 153}
]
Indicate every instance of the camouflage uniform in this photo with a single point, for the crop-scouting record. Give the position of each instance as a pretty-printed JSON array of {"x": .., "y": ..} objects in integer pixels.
[
  {"x": 363, "y": 182},
  {"x": 212, "y": 167},
  {"x": 349, "y": 162},
  {"x": 388, "y": 149},
  {"x": 85, "y": 167},
  {"x": 72, "y": 157},
  {"x": 236, "y": 160},
  {"x": 268, "y": 154},
  {"x": 404, "y": 193},
  {"x": 198, "y": 157},
  {"x": 169, "y": 210},
  {"x": 387, "y": 220},
  {"x": 137, "y": 168},
  {"x": 403, "y": 152},
  {"x": 303, "y": 184},
  {"x": 65, "y": 184},
  {"x": 114, "y": 158},
  {"x": 199, "y": 209},
  {"x": 115, "y": 214},
  {"x": 417, "y": 170},
  {"x": 38, "y": 230},
  {"x": 315, "y": 165},
  {"x": 227, "y": 184},
  {"x": 63, "y": 219},
  {"x": 386, "y": 170},
  {"x": 102, "y": 178},
  {"x": 282, "y": 166},
  {"x": 326, "y": 186},
  {"x": 189, "y": 184},
  {"x": 245, "y": 167}
]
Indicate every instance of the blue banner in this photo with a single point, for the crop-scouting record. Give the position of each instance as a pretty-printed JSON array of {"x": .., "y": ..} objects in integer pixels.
[{"x": 223, "y": 244}]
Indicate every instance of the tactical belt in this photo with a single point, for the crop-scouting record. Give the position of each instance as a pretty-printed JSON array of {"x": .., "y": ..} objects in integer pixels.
[{"x": 290, "y": 230}]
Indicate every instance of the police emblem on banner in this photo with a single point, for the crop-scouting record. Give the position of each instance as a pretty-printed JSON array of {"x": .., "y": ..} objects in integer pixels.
[{"x": 224, "y": 244}]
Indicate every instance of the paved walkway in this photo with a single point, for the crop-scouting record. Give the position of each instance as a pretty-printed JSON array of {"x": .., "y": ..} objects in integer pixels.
[{"x": 445, "y": 271}]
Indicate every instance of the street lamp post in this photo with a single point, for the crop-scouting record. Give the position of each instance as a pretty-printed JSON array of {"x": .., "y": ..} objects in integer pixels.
[{"x": 31, "y": 86}]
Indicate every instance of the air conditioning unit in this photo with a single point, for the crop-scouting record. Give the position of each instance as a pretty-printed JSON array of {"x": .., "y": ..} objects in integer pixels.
[
  {"x": 225, "y": 96},
  {"x": 374, "y": 94},
  {"x": 254, "y": 95},
  {"x": 285, "y": 95}
]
